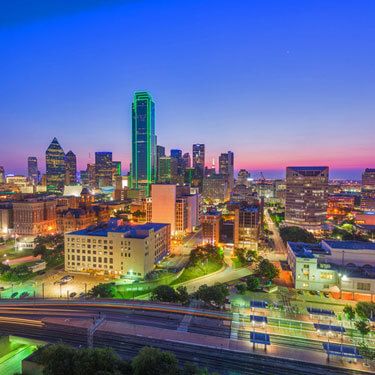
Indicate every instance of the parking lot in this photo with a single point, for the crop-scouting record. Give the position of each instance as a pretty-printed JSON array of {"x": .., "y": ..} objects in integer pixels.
[{"x": 49, "y": 286}]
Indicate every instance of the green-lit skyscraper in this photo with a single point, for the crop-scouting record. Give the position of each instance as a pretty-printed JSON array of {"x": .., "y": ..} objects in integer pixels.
[{"x": 143, "y": 142}]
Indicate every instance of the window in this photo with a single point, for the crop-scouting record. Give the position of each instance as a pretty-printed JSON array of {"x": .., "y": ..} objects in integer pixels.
[{"x": 364, "y": 286}]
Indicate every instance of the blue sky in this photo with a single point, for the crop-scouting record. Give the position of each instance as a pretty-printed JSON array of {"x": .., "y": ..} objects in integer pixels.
[{"x": 277, "y": 82}]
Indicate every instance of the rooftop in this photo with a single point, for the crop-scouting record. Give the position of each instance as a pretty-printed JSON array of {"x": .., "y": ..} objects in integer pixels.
[
  {"x": 307, "y": 250},
  {"x": 130, "y": 231},
  {"x": 350, "y": 245}
]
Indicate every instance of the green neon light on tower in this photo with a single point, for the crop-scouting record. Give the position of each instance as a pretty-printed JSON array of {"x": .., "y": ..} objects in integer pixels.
[{"x": 143, "y": 142}]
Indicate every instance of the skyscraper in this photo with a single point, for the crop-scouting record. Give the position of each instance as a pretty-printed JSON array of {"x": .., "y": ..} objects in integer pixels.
[
  {"x": 32, "y": 169},
  {"x": 2, "y": 175},
  {"x": 199, "y": 157},
  {"x": 306, "y": 196},
  {"x": 70, "y": 168},
  {"x": 243, "y": 177},
  {"x": 143, "y": 142},
  {"x": 368, "y": 190},
  {"x": 187, "y": 160},
  {"x": 55, "y": 166},
  {"x": 103, "y": 165},
  {"x": 226, "y": 168}
]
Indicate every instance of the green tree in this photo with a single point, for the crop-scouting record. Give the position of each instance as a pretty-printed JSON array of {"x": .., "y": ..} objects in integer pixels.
[
  {"x": 252, "y": 283},
  {"x": 366, "y": 352},
  {"x": 164, "y": 293},
  {"x": 296, "y": 234},
  {"x": 241, "y": 288},
  {"x": 267, "y": 270},
  {"x": 102, "y": 291},
  {"x": 349, "y": 312},
  {"x": 365, "y": 310},
  {"x": 183, "y": 295},
  {"x": 363, "y": 328},
  {"x": 213, "y": 295},
  {"x": 58, "y": 359},
  {"x": 40, "y": 250},
  {"x": 152, "y": 361}
]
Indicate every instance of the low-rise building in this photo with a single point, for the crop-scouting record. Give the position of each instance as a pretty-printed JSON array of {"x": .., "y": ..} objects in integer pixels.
[
  {"x": 341, "y": 267},
  {"x": 34, "y": 217},
  {"x": 116, "y": 249}
]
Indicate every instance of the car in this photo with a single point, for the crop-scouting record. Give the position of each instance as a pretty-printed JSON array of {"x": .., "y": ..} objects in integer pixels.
[
  {"x": 81, "y": 295},
  {"x": 67, "y": 278},
  {"x": 326, "y": 294},
  {"x": 72, "y": 295},
  {"x": 57, "y": 282},
  {"x": 2, "y": 288},
  {"x": 24, "y": 294},
  {"x": 14, "y": 295}
]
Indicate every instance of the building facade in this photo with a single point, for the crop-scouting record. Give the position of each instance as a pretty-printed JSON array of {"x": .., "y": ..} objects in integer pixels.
[
  {"x": 122, "y": 250},
  {"x": 306, "y": 196},
  {"x": 32, "y": 169},
  {"x": 143, "y": 167},
  {"x": 368, "y": 190},
  {"x": 70, "y": 168},
  {"x": 55, "y": 166},
  {"x": 103, "y": 168},
  {"x": 34, "y": 217}
]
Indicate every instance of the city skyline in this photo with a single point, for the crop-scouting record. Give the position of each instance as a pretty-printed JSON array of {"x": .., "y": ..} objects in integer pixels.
[{"x": 312, "y": 88}]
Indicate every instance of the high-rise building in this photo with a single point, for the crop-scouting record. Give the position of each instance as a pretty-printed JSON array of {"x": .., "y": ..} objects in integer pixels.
[
  {"x": 103, "y": 166},
  {"x": 243, "y": 177},
  {"x": 164, "y": 169},
  {"x": 215, "y": 188},
  {"x": 199, "y": 157},
  {"x": 2, "y": 175},
  {"x": 55, "y": 166},
  {"x": 70, "y": 168},
  {"x": 306, "y": 196},
  {"x": 32, "y": 169},
  {"x": 116, "y": 169},
  {"x": 368, "y": 190},
  {"x": 226, "y": 168},
  {"x": 187, "y": 160},
  {"x": 143, "y": 142},
  {"x": 247, "y": 222}
]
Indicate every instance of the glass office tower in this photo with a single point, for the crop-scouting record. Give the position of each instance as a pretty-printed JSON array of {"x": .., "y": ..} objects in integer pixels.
[{"x": 143, "y": 142}]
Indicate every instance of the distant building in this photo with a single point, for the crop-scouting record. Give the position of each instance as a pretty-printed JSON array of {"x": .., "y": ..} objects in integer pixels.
[
  {"x": 215, "y": 188},
  {"x": 34, "y": 217},
  {"x": 32, "y": 169},
  {"x": 73, "y": 219},
  {"x": 226, "y": 168},
  {"x": 368, "y": 190},
  {"x": 243, "y": 177},
  {"x": 306, "y": 196},
  {"x": 6, "y": 218},
  {"x": 116, "y": 170},
  {"x": 340, "y": 206},
  {"x": 187, "y": 160},
  {"x": 70, "y": 168},
  {"x": 127, "y": 250},
  {"x": 198, "y": 164},
  {"x": 143, "y": 142},
  {"x": 164, "y": 169},
  {"x": 55, "y": 166},
  {"x": 103, "y": 168},
  {"x": 211, "y": 227},
  {"x": 247, "y": 224},
  {"x": 175, "y": 205},
  {"x": 2, "y": 175}
]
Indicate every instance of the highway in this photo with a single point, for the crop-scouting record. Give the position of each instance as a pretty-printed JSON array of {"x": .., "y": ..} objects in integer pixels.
[{"x": 161, "y": 325}]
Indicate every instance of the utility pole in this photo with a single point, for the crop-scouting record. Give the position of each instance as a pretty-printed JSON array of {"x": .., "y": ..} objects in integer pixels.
[{"x": 91, "y": 330}]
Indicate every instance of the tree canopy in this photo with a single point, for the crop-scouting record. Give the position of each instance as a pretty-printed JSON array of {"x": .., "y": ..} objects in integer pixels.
[
  {"x": 296, "y": 234},
  {"x": 213, "y": 295},
  {"x": 267, "y": 270}
]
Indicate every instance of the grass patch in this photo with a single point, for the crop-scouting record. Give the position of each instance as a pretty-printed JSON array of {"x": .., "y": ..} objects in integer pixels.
[{"x": 192, "y": 272}]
